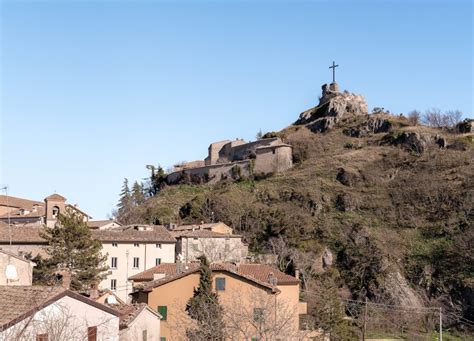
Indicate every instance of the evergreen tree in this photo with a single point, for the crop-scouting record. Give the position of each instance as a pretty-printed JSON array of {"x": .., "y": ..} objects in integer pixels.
[
  {"x": 157, "y": 179},
  {"x": 125, "y": 201},
  {"x": 71, "y": 247},
  {"x": 204, "y": 307},
  {"x": 138, "y": 197}
]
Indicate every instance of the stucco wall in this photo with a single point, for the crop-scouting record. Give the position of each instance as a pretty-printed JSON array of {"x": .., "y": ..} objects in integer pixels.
[
  {"x": 73, "y": 316},
  {"x": 145, "y": 321},
  {"x": 147, "y": 254},
  {"x": 215, "y": 249},
  {"x": 239, "y": 299},
  {"x": 273, "y": 160},
  {"x": 24, "y": 269}
]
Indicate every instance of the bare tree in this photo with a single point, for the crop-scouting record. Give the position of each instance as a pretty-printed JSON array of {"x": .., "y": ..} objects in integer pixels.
[
  {"x": 436, "y": 119},
  {"x": 414, "y": 117}
]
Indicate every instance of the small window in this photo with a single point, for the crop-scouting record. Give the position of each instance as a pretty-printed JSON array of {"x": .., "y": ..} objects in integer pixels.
[
  {"x": 136, "y": 244},
  {"x": 254, "y": 339},
  {"x": 258, "y": 315},
  {"x": 42, "y": 337},
  {"x": 220, "y": 284},
  {"x": 92, "y": 333},
  {"x": 113, "y": 284},
  {"x": 145, "y": 335},
  {"x": 157, "y": 261},
  {"x": 195, "y": 247},
  {"x": 162, "y": 338},
  {"x": 195, "y": 238},
  {"x": 158, "y": 246},
  {"x": 114, "y": 244},
  {"x": 136, "y": 262},
  {"x": 114, "y": 263},
  {"x": 163, "y": 311},
  {"x": 55, "y": 211}
]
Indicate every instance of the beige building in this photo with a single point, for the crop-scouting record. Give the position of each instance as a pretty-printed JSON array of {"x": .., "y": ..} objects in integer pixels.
[
  {"x": 54, "y": 313},
  {"x": 133, "y": 249},
  {"x": 218, "y": 227},
  {"x": 22, "y": 267},
  {"x": 259, "y": 301},
  {"x": 217, "y": 247},
  {"x": 138, "y": 322}
]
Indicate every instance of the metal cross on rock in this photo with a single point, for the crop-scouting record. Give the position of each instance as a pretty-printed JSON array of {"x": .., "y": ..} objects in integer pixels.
[{"x": 333, "y": 67}]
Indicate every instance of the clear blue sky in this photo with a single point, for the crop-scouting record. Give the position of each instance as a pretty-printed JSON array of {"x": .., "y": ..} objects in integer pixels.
[{"x": 92, "y": 91}]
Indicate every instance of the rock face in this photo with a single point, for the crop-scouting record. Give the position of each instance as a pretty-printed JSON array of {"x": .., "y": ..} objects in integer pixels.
[
  {"x": 374, "y": 125},
  {"x": 466, "y": 126},
  {"x": 333, "y": 105}
]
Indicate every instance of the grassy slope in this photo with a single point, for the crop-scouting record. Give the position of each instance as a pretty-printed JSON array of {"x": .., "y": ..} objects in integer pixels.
[{"x": 401, "y": 210}]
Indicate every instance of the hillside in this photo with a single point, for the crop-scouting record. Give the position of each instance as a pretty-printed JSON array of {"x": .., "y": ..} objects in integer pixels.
[{"x": 374, "y": 206}]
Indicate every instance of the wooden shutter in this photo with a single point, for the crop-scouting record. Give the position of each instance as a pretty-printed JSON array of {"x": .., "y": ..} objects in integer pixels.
[{"x": 92, "y": 333}]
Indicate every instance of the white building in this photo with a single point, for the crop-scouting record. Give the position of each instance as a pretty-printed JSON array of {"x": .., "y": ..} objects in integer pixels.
[
  {"x": 53, "y": 313},
  {"x": 133, "y": 249}
]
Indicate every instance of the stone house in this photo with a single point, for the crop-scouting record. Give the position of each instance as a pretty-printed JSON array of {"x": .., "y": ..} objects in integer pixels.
[
  {"x": 23, "y": 267},
  {"x": 217, "y": 247},
  {"x": 255, "y": 298},
  {"x": 231, "y": 159},
  {"x": 54, "y": 313},
  {"x": 218, "y": 227}
]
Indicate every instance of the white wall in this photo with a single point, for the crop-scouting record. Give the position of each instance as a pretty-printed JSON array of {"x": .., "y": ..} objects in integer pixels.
[
  {"x": 66, "y": 319},
  {"x": 24, "y": 269},
  {"x": 147, "y": 254},
  {"x": 145, "y": 321},
  {"x": 214, "y": 249}
]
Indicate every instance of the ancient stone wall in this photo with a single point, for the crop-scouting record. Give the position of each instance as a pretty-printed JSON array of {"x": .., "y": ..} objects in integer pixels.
[{"x": 273, "y": 159}]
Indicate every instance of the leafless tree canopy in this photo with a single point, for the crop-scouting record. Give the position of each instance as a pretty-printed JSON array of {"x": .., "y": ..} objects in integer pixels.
[{"x": 437, "y": 119}]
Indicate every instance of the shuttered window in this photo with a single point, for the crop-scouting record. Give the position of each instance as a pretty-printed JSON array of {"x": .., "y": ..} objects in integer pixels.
[{"x": 163, "y": 311}]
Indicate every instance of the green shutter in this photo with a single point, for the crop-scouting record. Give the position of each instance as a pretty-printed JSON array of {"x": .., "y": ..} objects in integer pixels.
[{"x": 163, "y": 311}]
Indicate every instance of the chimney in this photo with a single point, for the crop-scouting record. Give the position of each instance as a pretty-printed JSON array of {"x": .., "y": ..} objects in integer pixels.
[
  {"x": 272, "y": 279},
  {"x": 297, "y": 274},
  {"x": 93, "y": 292},
  {"x": 66, "y": 278}
]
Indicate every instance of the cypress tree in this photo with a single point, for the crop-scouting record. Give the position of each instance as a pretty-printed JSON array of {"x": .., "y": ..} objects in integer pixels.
[
  {"x": 204, "y": 307},
  {"x": 137, "y": 194},
  {"x": 125, "y": 201},
  {"x": 71, "y": 247}
]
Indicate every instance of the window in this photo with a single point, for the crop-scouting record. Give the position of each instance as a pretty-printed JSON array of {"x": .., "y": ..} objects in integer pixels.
[
  {"x": 254, "y": 339},
  {"x": 162, "y": 338},
  {"x": 113, "y": 284},
  {"x": 42, "y": 337},
  {"x": 157, "y": 261},
  {"x": 163, "y": 311},
  {"x": 114, "y": 244},
  {"x": 92, "y": 333},
  {"x": 220, "y": 284},
  {"x": 195, "y": 247},
  {"x": 114, "y": 263},
  {"x": 136, "y": 244},
  {"x": 136, "y": 262},
  {"x": 158, "y": 246},
  {"x": 145, "y": 335},
  {"x": 258, "y": 315},
  {"x": 55, "y": 211},
  {"x": 273, "y": 151}
]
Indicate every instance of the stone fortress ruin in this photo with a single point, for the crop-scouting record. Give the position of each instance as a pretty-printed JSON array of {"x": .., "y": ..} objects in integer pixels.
[{"x": 235, "y": 159}]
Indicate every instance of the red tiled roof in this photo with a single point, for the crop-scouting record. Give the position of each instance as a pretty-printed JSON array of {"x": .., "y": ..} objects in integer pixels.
[
  {"x": 257, "y": 273},
  {"x": 55, "y": 196},
  {"x": 203, "y": 234},
  {"x": 18, "y": 202},
  {"x": 132, "y": 233},
  {"x": 21, "y": 234},
  {"x": 19, "y": 302},
  {"x": 100, "y": 223},
  {"x": 129, "y": 312}
]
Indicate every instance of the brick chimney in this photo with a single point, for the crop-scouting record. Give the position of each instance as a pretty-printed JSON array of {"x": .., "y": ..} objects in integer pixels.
[{"x": 94, "y": 291}]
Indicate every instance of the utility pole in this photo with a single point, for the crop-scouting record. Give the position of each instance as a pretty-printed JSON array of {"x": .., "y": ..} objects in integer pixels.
[
  {"x": 365, "y": 320},
  {"x": 440, "y": 324}
]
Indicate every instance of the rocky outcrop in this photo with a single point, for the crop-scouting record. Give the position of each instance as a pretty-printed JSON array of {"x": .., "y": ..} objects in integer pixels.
[
  {"x": 415, "y": 142},
  {"x": 374, "y": 125},
  {"x": 333, "y": 106},
  {"x": 465, "y": 127},
  {"x": 346, "y": 178}
]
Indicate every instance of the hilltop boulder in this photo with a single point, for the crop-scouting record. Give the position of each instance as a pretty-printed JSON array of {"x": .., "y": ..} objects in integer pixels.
[{"x": 333, "y": 106}]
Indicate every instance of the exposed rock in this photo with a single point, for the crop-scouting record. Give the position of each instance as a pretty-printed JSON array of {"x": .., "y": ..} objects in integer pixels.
[
  {"x": 411, "y": 141},
  {"x": 465, "y": 127},
  {"x": 333, "y": 105},
  {"x": 373, "y": 125},
  {"x": 345, "y": 203},
  {"x": 328, "y": 258},
  {"x": 400, "y": 291},
  {"x": 346, "y": 178},
  {"x": 440, "y": 141}
]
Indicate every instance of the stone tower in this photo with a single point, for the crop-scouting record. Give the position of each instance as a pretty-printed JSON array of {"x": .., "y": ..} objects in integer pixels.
[{"x": 55, "y": 204}]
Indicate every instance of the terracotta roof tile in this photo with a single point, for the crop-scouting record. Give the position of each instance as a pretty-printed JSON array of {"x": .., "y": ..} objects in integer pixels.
[
  {"x": 135, "y": 233},
  {"x": 258, "y": 273},
  {"x": 21, "y": 234},
  {"x": 203, "y": 234},
  {"x": 18, "y": 300},
  {"x": 100, "y": 223},
  {"x": 18, "y": 202},
  {"x": 55, "y": 196}
]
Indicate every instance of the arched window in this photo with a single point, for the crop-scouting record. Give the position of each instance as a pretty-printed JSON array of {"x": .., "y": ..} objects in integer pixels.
[{"x": 55, "y": 211}]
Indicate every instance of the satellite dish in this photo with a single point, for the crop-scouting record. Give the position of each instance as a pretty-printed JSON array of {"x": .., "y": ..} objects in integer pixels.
[
  {"x": 10, "y": 272},
  {"x": 111, "y": 299}
]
